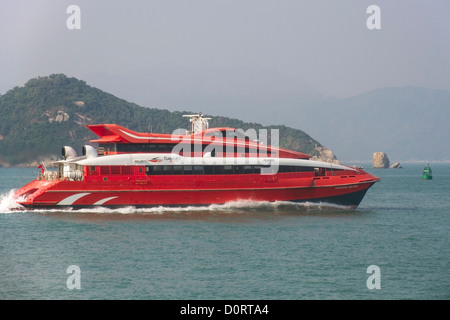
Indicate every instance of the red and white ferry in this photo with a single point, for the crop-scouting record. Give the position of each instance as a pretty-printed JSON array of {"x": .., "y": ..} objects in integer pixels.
[{"x": 201, "y": 167}]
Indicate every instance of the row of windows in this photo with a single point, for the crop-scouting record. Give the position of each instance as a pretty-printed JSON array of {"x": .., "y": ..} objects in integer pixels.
[
  {"x": 107, "y": 170},
  {"x": 178, "y": 148},
  {"x": 186, "y": 170},
  {"x": 236, "y": 169}
]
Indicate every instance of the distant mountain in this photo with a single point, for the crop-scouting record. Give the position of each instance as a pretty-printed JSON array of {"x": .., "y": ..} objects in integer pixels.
[
  {"x": 408, "y": 123},
  {"x": 36, "y": 120}
]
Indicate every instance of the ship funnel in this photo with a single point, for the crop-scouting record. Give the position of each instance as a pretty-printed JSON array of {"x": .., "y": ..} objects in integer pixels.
[
  {"x": 89, "y": 151},
  {"x": 68, "y": 153}
]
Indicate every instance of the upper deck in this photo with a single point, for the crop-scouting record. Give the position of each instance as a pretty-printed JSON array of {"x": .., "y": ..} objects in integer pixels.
[{"x": 200, "y": 141}]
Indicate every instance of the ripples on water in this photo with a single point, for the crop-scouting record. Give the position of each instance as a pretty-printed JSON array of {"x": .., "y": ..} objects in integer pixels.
[{"x": 240, "y": 250}]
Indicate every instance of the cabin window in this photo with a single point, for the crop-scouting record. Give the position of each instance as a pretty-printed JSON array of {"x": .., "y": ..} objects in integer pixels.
[
  {"x": 168, "y": 170},
  {"x": 126, "y": 170},
  {"x": 107, "y": 147},
  {"x": 228, "y": 169},
  {"x": 91, "y": 171},
  {"x": 115, "y": 170},
  {"x": 104, "y": 170},
  {"x": 218, "y": 169},
  {"x": 295, "y": 169},
  {"x": 286, "y": 169},
  {"x": 238, "y": 170},
  {"x": 161, "y": 147},
  {"x": 248, "y": 169},
  {"x": 156, "y": 170},
  {"x": 209, "y": 169},
  {"x": 188, "y": 169},
  {"x": 198, "y": 169},
  {"x": 181, "y": 149},
  {"x": 137, "y": 147},
  {"x": 178, "y": 170},
  {"x": 262, "y": 169}
]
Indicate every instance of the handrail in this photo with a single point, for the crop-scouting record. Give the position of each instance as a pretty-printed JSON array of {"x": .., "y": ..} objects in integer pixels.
[{"x": 73, "y": 175}]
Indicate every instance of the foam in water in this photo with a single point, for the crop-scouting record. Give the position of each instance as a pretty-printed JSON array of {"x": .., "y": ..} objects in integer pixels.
[{"x": 7, "y": 204}]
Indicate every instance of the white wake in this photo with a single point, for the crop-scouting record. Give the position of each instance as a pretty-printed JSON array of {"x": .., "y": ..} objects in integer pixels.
[
  {"x": 8, "y": 205},
  {"x": 7, "y": 202}
]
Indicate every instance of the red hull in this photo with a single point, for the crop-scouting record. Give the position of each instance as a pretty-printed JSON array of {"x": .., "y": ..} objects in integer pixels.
[{"x": 192, "y": 190}]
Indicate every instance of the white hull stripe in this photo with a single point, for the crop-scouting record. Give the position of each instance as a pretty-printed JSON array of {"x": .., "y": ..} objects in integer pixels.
[
  {"x": 135, "y": 136},
  {"x": 71, "y": 199},
  {"x": 100, "y": 202}
]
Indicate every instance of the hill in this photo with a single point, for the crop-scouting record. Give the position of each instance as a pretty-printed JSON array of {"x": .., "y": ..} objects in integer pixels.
[
  {"x": 408, "y": 123},
  {"x": 36, "y": 120}
]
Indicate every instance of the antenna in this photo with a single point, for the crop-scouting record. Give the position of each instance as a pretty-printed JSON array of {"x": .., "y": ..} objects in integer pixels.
[{"x": 199, "y": 123}]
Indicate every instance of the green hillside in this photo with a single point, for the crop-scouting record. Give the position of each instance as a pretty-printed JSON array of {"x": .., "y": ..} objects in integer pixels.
[{"x": 36, "y": 120}]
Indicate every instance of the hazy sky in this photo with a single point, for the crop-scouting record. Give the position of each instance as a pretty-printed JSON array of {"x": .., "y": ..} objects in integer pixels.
[{"x": 324, "y": 43}]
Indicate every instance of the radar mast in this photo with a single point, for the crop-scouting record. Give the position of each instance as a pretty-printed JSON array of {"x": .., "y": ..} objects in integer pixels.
[{"x": 199, "y": 123}]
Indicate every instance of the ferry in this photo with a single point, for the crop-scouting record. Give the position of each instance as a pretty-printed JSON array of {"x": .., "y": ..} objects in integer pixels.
[{"x": 199, "y": 167}]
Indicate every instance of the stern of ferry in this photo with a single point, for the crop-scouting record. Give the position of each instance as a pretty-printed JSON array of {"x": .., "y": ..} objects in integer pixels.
[{"x": 29, "y": 196}]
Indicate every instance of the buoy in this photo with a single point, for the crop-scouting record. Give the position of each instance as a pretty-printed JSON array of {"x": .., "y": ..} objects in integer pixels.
[{"x": 426, "y": 175}]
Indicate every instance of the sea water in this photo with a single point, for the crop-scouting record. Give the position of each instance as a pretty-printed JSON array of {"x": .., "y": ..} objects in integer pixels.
[{"x": 394, "y": 246}]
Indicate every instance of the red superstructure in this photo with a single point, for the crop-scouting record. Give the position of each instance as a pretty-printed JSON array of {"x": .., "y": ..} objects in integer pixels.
[{"x": 200, "y": 167}]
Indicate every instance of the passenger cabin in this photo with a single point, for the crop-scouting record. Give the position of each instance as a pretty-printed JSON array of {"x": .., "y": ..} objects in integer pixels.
[
  {"x": 201, "y": 142},
  {"x": 217, "y": 142}
]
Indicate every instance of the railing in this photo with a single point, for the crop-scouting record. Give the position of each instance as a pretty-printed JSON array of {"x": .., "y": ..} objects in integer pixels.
[{"x": 47, "y": 175}]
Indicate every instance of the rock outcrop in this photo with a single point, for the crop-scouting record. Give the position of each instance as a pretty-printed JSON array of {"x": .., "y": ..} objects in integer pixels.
[
  {"x": 380, "y": 160},
  {"x": 325, "y": 155},
  {"x": 59, "y": 117},
  {"x": 396, "y": 165}
]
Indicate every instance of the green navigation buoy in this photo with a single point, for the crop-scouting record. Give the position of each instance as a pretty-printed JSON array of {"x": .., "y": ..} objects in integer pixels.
[{"x": 426, "y": 175}]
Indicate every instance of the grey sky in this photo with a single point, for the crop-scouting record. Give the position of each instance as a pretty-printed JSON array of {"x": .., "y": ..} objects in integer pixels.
[{"x": 325, "y": 44}]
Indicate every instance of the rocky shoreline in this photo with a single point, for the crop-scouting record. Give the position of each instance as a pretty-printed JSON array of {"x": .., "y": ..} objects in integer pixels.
[{"x": 381, "y": 160}]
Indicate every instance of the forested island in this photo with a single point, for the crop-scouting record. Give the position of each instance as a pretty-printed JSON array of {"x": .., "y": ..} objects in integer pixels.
[{"x": 36, "y": 120}]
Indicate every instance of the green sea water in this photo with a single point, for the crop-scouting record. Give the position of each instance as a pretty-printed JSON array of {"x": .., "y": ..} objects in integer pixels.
[{"x": 263, "y": 251}]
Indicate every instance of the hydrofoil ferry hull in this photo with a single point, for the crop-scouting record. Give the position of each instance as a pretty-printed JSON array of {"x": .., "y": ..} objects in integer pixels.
[{"x": 51, "y": 195}]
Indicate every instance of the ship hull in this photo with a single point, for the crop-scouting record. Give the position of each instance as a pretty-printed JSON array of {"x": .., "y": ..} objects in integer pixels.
[{"x": 143, "y": 194}]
